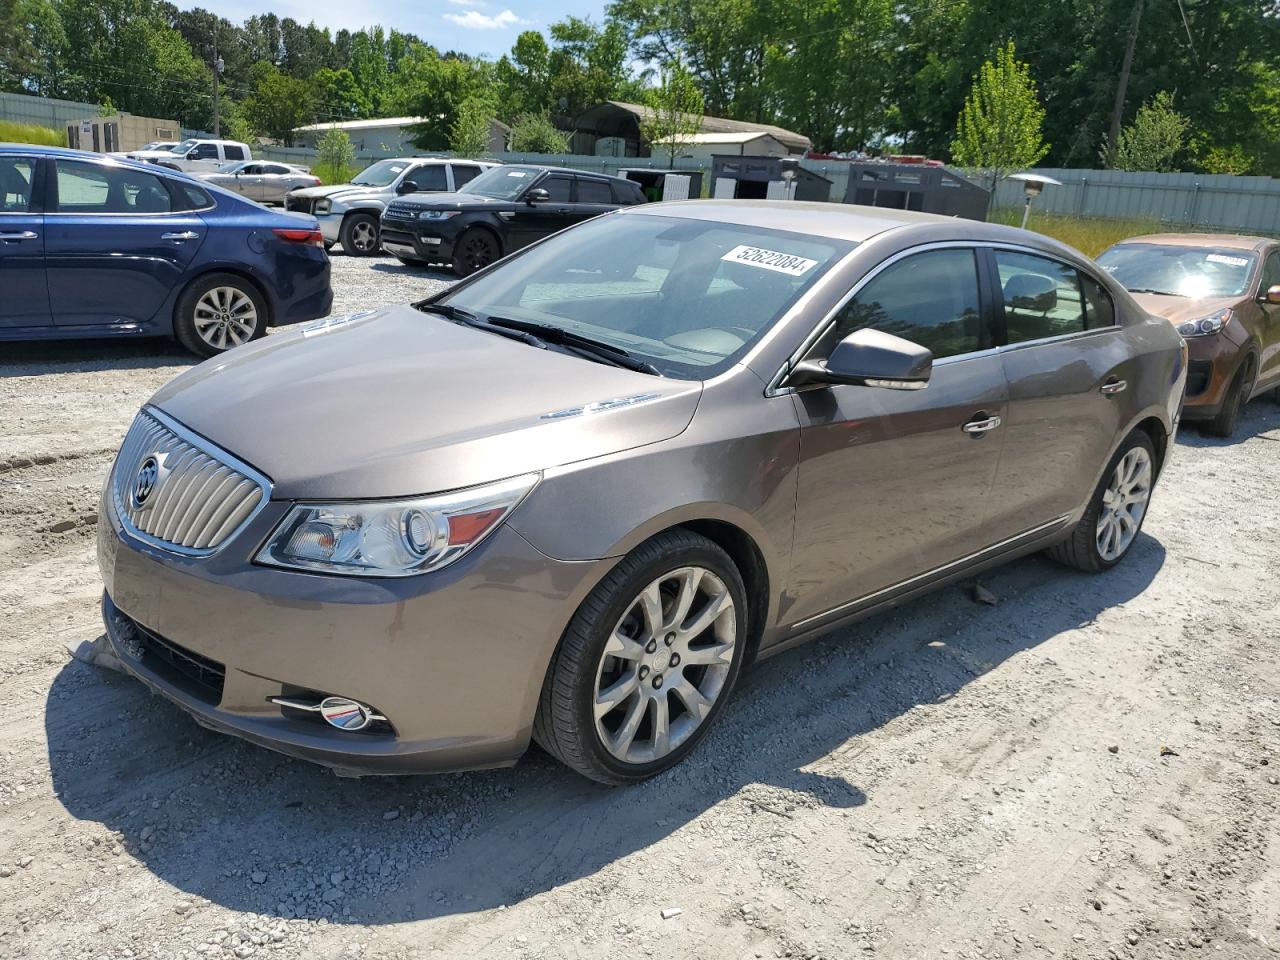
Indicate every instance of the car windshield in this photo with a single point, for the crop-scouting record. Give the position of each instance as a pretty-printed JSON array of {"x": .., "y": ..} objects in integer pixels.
[
  {"x": 184, "y": 146},
  {"x": 502, "y": 183},
  {"x": 380, "y": 174},
  {"x": 1195, "y": 272},
  {"x": 688, "y": 296}
]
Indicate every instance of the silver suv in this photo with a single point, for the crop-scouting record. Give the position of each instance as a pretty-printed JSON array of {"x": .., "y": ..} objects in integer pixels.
[{"x": 349, "y": 212}]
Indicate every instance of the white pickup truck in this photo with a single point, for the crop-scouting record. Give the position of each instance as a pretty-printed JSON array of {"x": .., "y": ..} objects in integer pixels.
[{"x": 196, "y": 156}]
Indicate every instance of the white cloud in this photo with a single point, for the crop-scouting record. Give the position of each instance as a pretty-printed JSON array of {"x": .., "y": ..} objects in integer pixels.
[
  {"x": 467, "y": 3},
  {"x": 474, "y": 20}
]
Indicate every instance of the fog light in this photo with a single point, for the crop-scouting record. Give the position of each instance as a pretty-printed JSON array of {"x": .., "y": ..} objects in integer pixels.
[{"x": 340, "y": 712}]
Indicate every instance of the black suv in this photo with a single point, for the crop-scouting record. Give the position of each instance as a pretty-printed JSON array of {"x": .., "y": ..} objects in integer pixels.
[{"x": 501, "y": 210}]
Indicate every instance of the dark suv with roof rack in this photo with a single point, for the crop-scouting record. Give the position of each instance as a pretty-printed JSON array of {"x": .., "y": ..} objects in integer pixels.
[{"x": 501, "y": 210}]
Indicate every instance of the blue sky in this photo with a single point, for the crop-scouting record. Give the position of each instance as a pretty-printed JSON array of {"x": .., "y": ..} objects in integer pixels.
[{"x": 471, "y": 26}]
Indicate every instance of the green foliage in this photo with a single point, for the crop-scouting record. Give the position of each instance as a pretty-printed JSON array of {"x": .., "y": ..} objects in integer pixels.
[
  {"x": 279, "y": 104},
  {"x": 469, "y": 135},
  {"x": 999, "y": 129},
  {"x": 675, "y": 107},
  {"x": 535, "y": 133},
  {"x": 436, "y": 87},
  {"x": 1154, "y": 139},
  {"x": 339, "y": 96},
  {"x": 235, "y": 122},
  {"x": 31, "y": 133},
  {"x": 335, "y": 157}
]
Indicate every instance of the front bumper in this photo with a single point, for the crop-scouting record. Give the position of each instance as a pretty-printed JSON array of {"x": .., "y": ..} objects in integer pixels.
[
  {"x": 454, "y": 659},
  {"x": 1212, "y": 364},
  {"x": 330, "y": 226},
  {"x": 431, "y": 240}
]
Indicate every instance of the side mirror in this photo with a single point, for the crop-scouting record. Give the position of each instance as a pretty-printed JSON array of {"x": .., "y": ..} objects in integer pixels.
[
  {"x": 536, "y": 195},
  {"x": 869, "y": 358},
  {"x": 1271, "y": 295},
  {"x": 193, "y": 155},
  {"x": 408, "y": 186}
]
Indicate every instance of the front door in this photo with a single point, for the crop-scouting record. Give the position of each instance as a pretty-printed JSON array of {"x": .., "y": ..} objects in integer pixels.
[
  {"x": 24, "y": 292},
  {"x": 1070, "y": 374},
  {"x": 541, "y": 218},
  {"x": 113, "y": 247},
  {"x": 896, "y": 484}
]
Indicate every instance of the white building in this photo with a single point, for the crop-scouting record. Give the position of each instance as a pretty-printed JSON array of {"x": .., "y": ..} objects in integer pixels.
[{"x": 703, "y": 146}]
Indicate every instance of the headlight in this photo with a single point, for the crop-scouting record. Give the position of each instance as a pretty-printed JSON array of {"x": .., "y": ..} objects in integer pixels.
[
  {"x": 392, "y": 538},
  {"x": 322, "y": 206},
  {"x": 1206, "y": 325},
  {"x": 438, "y": 214}
]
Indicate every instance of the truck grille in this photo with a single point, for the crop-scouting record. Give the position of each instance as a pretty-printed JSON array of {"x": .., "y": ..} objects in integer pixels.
[
  {"x": 298, "y": 204},
  {"x": 179, "y": 492}
]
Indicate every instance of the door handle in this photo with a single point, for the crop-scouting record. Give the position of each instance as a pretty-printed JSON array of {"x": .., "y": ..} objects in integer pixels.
[
  {"x": 1113, "y": 386},
  {"x": 19, "y": 235},
  {"x": 184, "y": 235},
  {"x": 977, "y": 428}
]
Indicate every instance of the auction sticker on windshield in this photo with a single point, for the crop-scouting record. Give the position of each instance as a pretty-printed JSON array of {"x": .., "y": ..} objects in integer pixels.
[
  {"x": 770, "y": 260},
  {"x": 1229, "y": 261}
]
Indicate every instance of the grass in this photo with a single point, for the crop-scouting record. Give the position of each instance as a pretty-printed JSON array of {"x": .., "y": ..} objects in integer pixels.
[
  {"x": 31, "y": 133},
  {"x": 1088, "y": 235},
  {"x": 330, "y": 175}
]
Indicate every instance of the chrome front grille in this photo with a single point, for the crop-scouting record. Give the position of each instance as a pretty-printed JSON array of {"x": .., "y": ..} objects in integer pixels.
[{"x": 177, "y": 491}]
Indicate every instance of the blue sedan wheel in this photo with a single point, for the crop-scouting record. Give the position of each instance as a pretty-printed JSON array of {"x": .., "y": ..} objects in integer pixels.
[{"x": 218, "y": 312}]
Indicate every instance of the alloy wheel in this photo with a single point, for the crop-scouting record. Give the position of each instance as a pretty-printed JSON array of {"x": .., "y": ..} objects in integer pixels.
[
  {"x": 477, "y": 252},
  {"x": 225, "y": 317},
  {"x": 364, "y": 236},
  {"x": 664, "y": 665},
  {"x": 1124, "y": 503}
]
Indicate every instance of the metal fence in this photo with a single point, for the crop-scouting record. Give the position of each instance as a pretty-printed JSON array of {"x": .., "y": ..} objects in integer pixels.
[
  {"x": 43, "y": 111},
  {"x": 1201, "y": 201}
]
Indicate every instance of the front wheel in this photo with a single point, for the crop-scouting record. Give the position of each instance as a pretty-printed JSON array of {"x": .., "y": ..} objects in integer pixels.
[
  {"x": 217, "y": 312},
  {"x": 647, "y": 662},
  {"x": 359, "y": 235},
  {"x": 475, "y": 250},
  {"x": 1224, "y": 424},
  {"x": 1111, "y": 522}
]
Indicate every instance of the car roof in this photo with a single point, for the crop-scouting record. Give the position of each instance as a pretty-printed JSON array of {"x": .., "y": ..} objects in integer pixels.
[
  {"x": 1231, "y": 241},
  {"x": 29, "y": 149},
  {"x": 571, "y": 170},
  {"x": 842, "y": 221}
]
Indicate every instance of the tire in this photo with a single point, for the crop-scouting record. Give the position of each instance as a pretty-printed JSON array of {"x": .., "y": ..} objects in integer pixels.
[
  {"x": 217, "y": 312},
  {"x": 566, "y": 724},
  {"x": 474, "y": 250},
  {"x": 327, "y": 246},
  {"x": 1083, "y": 550},
  {"x": 359, "y": 235},
  {"x": 1224, "y": 424}
]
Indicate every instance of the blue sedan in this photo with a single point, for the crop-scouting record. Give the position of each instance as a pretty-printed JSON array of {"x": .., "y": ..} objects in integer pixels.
[{"x": 92, "y": 246}]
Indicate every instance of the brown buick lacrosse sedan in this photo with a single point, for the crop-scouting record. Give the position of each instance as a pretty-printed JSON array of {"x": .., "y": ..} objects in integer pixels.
[{"x": 571, "y": 497}]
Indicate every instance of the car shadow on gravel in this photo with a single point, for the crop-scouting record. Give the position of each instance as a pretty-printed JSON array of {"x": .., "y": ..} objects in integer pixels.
[
  {"x": 31, "y": 359},
  {"x": 1259, "y": 417},
  {"x": 232, "y": 824},
  {"x": 430, "y": 271}
]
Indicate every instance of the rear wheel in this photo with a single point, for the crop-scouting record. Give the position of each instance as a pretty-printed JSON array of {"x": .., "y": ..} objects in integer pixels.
[
  {"x": 217, "y": 312},
  {"x": 647, "y": 662},
  {"x": 474, "y": 250},
  {"x": 1111, "y": 522},
  {"x": 1224, "y": 424},
  {"x": 359, "y": 235}
]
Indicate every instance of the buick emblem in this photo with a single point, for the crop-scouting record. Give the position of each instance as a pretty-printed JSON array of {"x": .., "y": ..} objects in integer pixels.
[{"x": 144, "y": 484}]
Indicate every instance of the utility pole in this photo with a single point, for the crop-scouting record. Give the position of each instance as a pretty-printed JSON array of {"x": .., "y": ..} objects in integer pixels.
[
  {"x": 217, "y": 75},
  {"x": 1122, "y": 87}
]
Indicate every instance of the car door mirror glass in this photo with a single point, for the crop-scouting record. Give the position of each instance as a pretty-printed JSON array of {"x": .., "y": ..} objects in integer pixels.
[
  {"x": 1271, "y": 295},
  {"x": 408, "y": 186},
  {"x": 869, "y": 358},
  {"x": 536, "y": 195}
]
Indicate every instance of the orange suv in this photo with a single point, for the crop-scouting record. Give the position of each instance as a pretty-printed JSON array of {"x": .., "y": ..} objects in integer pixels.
[{"x": 1222, "y": 292}]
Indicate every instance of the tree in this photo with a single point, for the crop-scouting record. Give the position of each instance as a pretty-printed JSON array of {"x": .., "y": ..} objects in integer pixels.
[
  {"x": 535, "y": 133},
  {"x": 999, "y": 129},
  {"x": 1154, "y": 139},
  {"x": 278, "y": 104},
  {"x": 338, "y": 96},
  {"x": 675, "y": 107},
  {"x": 469, "y": 135},
  {"x": 334, "y": 156},
  {"x": 435, "y": 88}
]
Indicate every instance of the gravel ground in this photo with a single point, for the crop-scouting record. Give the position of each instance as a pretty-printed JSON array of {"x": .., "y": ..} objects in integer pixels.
[{"x": 1086, "y": 769}]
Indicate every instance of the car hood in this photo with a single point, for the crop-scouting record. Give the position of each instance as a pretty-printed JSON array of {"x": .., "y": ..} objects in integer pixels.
[
  {"x": 342, "y": 191},
  {"x": 457, "y": 201},
  {"x": 396, "y": 402},
  {"x": 1181, "y": 309},
  {"x": 154, "y": 155}
]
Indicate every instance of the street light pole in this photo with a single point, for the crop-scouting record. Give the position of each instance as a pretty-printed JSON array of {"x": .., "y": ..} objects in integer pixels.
[{"x": 217, "y": 74}]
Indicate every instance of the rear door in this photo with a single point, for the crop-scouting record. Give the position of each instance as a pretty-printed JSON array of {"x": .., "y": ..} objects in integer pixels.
[
  {"x": 592, "y": 197},
  {"x": 113, "y": 246},
  {"x": 1069, "y": 370},
  {"x": 896, "y": 484},
  {"x": 276, "y": 179},
  {"x": 24, "y": 291},
  {"x": 463, "y": 173}
]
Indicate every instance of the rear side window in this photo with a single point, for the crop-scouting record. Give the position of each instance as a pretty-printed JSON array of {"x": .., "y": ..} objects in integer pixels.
[
  {"x": 594, "y": 191},
  {"x": 17, "y": 174},
  {"x": 1270, "y": 272},
  {"x": 1042, "y": 297},
  {"x": 1099, "y": 310},
  {"x": 90, "y": 188},
  {"x": 929, "y": 298},
  {"x": 233, "y": 153},
  {"x": 464, "y": 173},
  {"x": 429, "y": 177}
]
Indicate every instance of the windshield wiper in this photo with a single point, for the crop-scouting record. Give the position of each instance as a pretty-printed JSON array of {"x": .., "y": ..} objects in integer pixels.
[
  {"x": 467, "y": 319},
  {"x": 1159, "y": 293},
  {"x": 592, "y": 349}
]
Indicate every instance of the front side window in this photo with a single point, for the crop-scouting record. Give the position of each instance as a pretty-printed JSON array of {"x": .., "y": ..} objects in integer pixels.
[
  {"x": 90, "y": 188},
  {"x": 209, "y": 151},
  {"x": 17, "y": 174},
  {"x": 688, "y": 296},
  {"x": 1180, "y": 271},
  {"x": 558, "y": 188},
  {"x": 429, "y": 176},
  {"x": 1042, "y": 297},
  {"x": 928, "y": 298}
]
